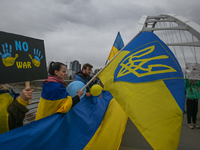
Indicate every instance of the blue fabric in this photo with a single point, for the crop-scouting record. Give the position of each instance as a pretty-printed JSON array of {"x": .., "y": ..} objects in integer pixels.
[
  {"x": 53, "y": 91},
  {"x": 147, "y": 82},
  {"x": 72, "y": 130},
  {"x": 154, "y": 56},
  {"x": 12, "y": 93},
  {"x": 118, "y": 44},
  {"x": 150, "y": 59},
  {"x": 176, "y": 87},
  {"x": 78, "y": 78}
]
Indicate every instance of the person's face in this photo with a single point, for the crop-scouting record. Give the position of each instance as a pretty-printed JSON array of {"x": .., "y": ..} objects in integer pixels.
[
  {"x": 192, "y": 82},
  {"x": 62, "y": 73},
  {"x": 87, "y": 71}
]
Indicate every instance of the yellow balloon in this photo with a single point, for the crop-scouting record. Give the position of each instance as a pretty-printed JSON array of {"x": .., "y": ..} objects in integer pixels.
[{"x": 96, "y": 90}]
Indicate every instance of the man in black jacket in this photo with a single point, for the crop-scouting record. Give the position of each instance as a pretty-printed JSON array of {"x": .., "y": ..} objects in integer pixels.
[{"x": 84, "y": 76}]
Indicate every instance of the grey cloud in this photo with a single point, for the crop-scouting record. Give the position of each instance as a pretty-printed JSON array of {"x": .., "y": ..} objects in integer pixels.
[{"x": 84, "y": 29}]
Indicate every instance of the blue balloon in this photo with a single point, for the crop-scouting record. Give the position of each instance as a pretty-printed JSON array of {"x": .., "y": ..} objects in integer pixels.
[{"x": 74, "y": 87}]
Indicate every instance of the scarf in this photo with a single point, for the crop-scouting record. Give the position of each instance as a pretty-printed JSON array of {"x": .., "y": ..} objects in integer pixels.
[{"x": 54, "y": 79}]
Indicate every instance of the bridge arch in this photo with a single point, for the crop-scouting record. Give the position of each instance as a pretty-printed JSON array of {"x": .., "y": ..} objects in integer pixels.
[{"x": 180, "y": 34}]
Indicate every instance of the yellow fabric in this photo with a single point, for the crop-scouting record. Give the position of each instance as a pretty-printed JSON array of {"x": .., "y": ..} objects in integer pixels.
[
  {"x": 113, "y": 52},
  {"x": 159, "y": 120},
  {"x": 110, "y": 132},
  {"x": 21, "y": 101},
  {"x": 5, "y": 100},
  {"x": 49, "y": 107}
]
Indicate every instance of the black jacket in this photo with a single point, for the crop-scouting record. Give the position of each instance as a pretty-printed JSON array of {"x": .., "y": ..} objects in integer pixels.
[{"x": 86, "y": 78}]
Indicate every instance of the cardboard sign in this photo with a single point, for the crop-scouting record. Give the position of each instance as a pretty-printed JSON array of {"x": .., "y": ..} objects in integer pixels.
[
  {"x": 22, "y": 58},
  {"x": 193, "y": 71}
]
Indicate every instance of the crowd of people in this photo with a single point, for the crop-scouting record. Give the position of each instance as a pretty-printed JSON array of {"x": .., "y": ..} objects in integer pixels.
[{"x": 55, "y": 99}]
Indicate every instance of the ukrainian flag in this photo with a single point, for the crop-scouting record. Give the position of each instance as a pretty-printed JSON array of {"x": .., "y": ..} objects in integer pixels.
[
  {"x": 147, "y": 81},
  {"x": 117, "y": 46},
  {"x": 91, "y": 124},
  {"x": 110, "y": 132}
]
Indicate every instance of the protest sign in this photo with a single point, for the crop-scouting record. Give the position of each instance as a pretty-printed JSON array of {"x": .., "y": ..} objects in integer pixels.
[
  {"x": 193, "y": 71},
  {"x": 22, "y": 58}
]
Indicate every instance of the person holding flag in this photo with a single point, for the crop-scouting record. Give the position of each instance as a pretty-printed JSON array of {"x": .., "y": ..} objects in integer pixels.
[{"x": 84, "y": 76}]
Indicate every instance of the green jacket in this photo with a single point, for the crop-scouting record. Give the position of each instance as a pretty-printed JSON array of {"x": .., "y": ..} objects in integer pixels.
[{"x": 194, "y": 93}]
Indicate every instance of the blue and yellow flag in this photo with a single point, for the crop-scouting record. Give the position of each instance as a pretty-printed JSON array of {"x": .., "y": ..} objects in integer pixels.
[
  {"x": 147, "y": 81},
  {"x": 88, "y": 125},
  {"x": 117, "y": 46},
  {"x": 111, "y": 130},
  {"x": 54, "y": 98}
]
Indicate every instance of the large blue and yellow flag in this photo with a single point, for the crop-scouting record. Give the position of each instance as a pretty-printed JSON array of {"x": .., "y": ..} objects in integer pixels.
[
  {"x": 146, "y": 80},
  {"x": 111, "y": 130},
  {"x": 117, "y": 46},
  {"x": 90, "y": 125}
]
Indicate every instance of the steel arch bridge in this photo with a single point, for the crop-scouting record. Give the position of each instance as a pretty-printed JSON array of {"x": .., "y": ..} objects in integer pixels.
[{"x": 179, "y": 33}]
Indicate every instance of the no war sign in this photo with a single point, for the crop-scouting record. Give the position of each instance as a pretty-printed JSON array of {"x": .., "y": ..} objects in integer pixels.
[{"x": 22, "y": 58}]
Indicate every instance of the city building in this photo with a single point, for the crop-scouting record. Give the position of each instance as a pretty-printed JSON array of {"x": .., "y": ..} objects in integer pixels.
[{"x": 75, "y": 66}]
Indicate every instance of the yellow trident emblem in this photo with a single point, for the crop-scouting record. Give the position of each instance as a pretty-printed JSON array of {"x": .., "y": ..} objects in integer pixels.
[{"x": 131, "y": 66}]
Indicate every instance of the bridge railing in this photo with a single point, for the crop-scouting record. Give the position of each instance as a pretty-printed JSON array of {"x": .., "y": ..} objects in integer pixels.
[{"x": 30, "y": 115}]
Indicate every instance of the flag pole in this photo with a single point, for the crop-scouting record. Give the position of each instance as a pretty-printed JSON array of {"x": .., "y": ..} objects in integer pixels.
[{"x": 108, "y": 63}]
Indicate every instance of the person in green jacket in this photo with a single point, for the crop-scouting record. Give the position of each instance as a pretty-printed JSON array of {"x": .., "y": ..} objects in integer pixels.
[{"x": 192, "y": 95}]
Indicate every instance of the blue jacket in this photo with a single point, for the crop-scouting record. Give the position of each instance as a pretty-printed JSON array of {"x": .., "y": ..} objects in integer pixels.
[{"x": 85, "y": 79}]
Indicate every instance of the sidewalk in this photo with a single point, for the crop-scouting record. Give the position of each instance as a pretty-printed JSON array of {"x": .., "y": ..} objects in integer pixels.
[{"x": 133, "y": 140}]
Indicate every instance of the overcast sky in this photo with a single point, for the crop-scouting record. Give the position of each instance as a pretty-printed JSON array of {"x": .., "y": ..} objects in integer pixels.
[{"x": 84, "y": 30}]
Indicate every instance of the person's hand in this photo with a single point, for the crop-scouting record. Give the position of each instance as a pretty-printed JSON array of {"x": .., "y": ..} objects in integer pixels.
[
  {"x": 26, "y": 94},
  {"x": 88, "y": 94},
  {"x": 79, "y": 93}
]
